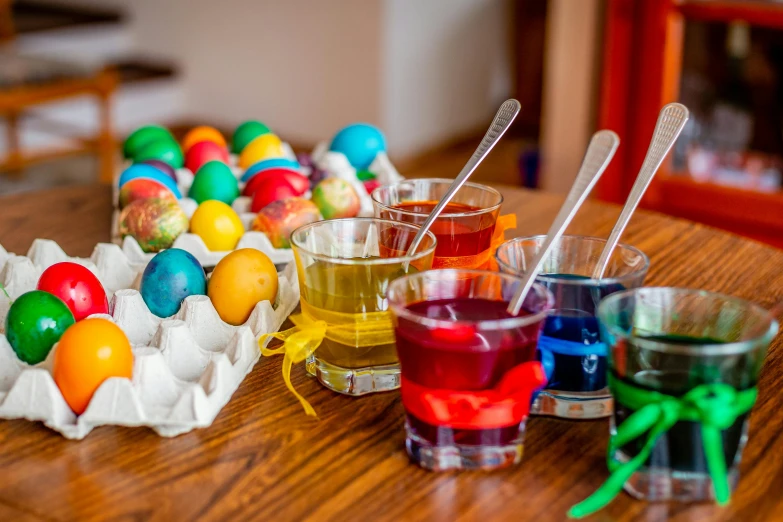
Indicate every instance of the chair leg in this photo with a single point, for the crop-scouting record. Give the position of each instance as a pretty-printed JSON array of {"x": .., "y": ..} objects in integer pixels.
[
  {"x": 15, "y": 162},
  {"x": 105, "y": 139}
]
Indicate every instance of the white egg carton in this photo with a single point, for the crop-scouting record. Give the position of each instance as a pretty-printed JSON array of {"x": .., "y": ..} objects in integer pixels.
[
  {"x": 337, "y": 165},
  {"x": 186, "y": 367}
]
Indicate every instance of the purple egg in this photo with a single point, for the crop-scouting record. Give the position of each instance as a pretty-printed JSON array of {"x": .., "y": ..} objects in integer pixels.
[
  {"x": 163, "y": 167},
  {"x": 304, "y": 159},
  {"x": 317, "y": 176}
]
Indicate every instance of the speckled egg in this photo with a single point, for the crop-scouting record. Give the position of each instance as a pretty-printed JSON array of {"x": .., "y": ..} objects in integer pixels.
[
  {"x": 360, "y": 143},
  {"x": 336, "y": 198},
  {"x": 170, "y": 277},
  {"x": 263, "y": 147},
  {"x": 214, "y": 180},
  {"x": 218, "y": 225},
  {"x": 143, "y": 188},
  {"x": 154, "y": 223},
  {"x": 165, "y": 150},
  {"x": 239, "y": 282},
  {"x": 142, "y": 137},
  {"x": 245, "y": 133},
  {"x": 278, "y": 219}
]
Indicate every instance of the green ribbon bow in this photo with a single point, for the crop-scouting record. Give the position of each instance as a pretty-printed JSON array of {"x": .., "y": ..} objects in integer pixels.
[{"x": 715, "y": 406}]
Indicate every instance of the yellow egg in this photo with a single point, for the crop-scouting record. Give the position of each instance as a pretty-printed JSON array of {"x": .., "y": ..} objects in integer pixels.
[
  {"x": 241, "y": 280},
  {"x": 263, "y": 147},
  {"x": 217, "y": 224},
  {"x": 202, "y": 133}
]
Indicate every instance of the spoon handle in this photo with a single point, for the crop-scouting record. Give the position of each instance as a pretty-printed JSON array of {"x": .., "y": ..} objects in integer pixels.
[
  {"x": 671, "y": 121},
  {"x": 503, "y": 119},
  {"x": 599, "y": 153}
]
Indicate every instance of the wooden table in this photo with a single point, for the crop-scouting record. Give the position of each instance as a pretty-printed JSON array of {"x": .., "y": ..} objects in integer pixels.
[{"x": 264, "y": 459}]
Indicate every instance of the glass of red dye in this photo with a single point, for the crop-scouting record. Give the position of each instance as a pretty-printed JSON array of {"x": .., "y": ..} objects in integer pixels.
[
  {"x": 463, "y": 230},
  {"x": 468, "y": 367}
]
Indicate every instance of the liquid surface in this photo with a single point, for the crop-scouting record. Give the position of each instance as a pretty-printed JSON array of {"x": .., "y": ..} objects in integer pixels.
[{"x": 461, "y": 359}]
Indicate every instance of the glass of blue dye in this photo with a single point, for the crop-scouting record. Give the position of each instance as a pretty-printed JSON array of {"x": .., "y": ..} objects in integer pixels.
[{"x": 569, "y": 347}]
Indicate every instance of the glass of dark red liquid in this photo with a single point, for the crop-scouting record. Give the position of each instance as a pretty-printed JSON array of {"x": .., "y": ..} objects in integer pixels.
[
  {"x": 573, "y": 355},
  {"x": 468, "y": 367},
  {"x": 465, "y": 227},
  {"x": 700, "y": 353}
]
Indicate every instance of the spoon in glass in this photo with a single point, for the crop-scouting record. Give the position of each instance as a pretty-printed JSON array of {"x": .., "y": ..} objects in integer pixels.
[{"x": 599, "y": 153}]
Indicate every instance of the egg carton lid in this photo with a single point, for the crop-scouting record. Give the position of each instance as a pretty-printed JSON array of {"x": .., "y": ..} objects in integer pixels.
[
  {"x": 186, "y": 367},
  {"x": 337, "y": 165}
]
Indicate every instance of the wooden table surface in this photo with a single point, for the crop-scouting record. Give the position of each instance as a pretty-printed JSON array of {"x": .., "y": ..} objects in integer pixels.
[{"x": 264, "y": 459}]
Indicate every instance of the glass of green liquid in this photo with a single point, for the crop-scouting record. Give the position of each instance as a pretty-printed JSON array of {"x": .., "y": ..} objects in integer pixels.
[
  {"x": 683, "y": 366},
  {"x": 344, "y": 268}
]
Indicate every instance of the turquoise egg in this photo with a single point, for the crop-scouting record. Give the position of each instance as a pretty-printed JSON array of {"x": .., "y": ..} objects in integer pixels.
[
  {"x": 170, "y": 277},
  {"x": 214, "y": 180},
  {"x": 360, "y": 143},
  {"x": 142, "y": 170},
  {"x": 271, "y": 163}
]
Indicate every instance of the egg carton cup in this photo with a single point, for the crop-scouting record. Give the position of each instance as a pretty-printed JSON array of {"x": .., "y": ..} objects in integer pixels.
[
  {"x": 337, "y": 165},
  {"x": 186, "y": 367}
]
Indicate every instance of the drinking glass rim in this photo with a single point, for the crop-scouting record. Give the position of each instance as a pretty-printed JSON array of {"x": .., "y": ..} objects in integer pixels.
[
  {"x": 711, "y": 349},
  {"x": 443, "y": 214},
  {"x": 497, "y": 324},
  {"x": 551, "y": 278},
  {"x": 420, "y": 253}
]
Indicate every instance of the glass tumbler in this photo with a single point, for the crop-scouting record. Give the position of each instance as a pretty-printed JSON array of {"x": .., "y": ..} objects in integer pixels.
[
  {"x": 344, "y": 268},
  {"x": 468, "y": 366},
  {"x": 570, "y": 349},
  {"x": 465, "y": 228},
  {"x": 683, "y": 367}
]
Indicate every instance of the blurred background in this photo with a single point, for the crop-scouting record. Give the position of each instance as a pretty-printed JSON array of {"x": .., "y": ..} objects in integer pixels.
[{"x": 76, "y": 76}]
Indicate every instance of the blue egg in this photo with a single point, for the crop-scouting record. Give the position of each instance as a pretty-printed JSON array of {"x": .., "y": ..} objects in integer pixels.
[
  {"x": 360, "y": 143},
  {"x": 142, "y": 170},
  {"x": 170, "y": 277},
  {"x": 272, "y": 163}
]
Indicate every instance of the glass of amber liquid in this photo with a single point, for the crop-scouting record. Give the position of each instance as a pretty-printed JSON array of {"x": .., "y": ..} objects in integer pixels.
[
  {"x": 344, "y": 268},
  {"x": 464, "y": 229}
]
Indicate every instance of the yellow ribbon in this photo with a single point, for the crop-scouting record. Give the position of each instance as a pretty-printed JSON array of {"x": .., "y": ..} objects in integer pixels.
[
  {"x": 485, "y": 259},
  {"x": 313, "y": 325}
]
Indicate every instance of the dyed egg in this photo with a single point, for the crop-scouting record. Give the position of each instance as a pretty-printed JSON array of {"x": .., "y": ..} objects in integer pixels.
[
  {"x": 360, "y": 143},
  {"x": 143, "y": 188},
  {"x": 364, "y": 175},
  {"x": 35, "y": 322},
  {"x": 272, "y": 189},
  {"x": 202, "y": 153},
  {"x": 148, "y": 172},
  {"x": 263, "y": 147},
  {"x": 163, "y": 167},
  {"x": 245, "y": 133},
  {"x": 371, "y": 184},
  {"x": 90, "y": 352},
  {"x": 218, "y": 225},
  {"x": 202, "y": 133},
  {"x": 336, "y": 198},
  {"x": 272, "y": 163},
  {"x": 214, "y": 180},
  {"x": 317, "y": 176},
  {"x": 154, "y": 223},
  {"x": 170, "y": 277},
  {"x": 305, "y": 159},
  {"x": 278, "y": 219},
  {"x": 143, "y": 136},
  {"x": 167, "y": 151},
  {"x": 300, "y": 183},
  {"x": 77, "y": 287},
  {"x": 239, "y": 282}
]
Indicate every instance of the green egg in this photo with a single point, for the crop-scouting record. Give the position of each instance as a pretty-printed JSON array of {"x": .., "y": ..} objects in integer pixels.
[
  {"x": 143, "y": 136},
  {"x": 165, "y": 150},
  {"x": 214, "y": 180},
  {"x": 245, "y": 133},
  {"x": 35, "y": 322}
]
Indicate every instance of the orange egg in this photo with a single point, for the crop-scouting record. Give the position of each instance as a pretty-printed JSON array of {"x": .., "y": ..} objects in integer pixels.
[
  {"x": 89, "y": 352},
  {"x": 202, "y": 133},
  {"x": 241, "y": 280}
]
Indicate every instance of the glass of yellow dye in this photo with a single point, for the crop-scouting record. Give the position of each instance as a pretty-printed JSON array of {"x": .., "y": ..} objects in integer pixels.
[{"x": 345, "y": 267}]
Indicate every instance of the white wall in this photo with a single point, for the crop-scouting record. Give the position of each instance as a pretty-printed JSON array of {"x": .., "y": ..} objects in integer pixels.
[{"x": 446, "y": 69}]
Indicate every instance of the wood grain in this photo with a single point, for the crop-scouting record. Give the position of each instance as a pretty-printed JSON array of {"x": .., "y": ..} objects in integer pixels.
[{"x": 263, "y": 459}]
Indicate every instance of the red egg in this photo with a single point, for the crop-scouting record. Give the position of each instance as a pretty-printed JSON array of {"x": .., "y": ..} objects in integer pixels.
[
  {"x": 204, "y": 152},
  {"x": 297, "y": 181},
  {"x": 371, "y": 184},
  {"x": 79, "y": 289},
  {"x": 272, "y": 189}
]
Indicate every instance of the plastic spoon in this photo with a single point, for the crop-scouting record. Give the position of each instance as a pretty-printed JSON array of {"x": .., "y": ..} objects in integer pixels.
[
  {"x": 599, "y": 153},
  {"x": 505, "y": 115},
  {"x": 671, "y": 121}
]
